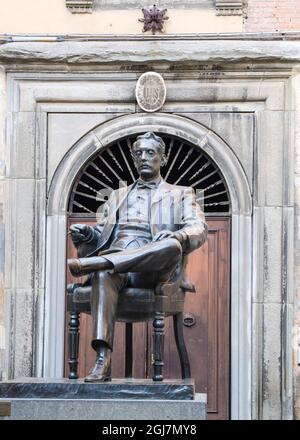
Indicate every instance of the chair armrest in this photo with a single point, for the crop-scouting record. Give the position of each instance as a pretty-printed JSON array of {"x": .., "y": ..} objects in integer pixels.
[{"x": 79, "y": 298}]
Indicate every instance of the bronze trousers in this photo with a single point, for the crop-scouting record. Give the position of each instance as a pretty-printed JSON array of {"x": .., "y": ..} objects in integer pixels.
[{"x": 143, "y": 267}]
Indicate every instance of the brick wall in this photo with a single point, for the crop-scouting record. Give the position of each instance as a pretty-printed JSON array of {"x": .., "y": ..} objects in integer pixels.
[{"x": 272, "y": 16}]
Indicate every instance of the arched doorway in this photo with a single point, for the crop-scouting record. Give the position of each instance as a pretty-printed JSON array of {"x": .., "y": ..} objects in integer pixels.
[
  {"x": 206, "y": 318},
  {"x": 213, "y": 148}
]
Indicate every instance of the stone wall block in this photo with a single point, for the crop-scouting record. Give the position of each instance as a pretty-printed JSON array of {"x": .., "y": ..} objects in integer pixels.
[
  {"x": 39, "y": 331},
  {"x": 269, "y": 164},
  {"x": 271, "y": 96},
  {"x": 10, "y": 242},
  {"x": 273, "y": 311},
  {"x": 271, "y": 362},
  {"x": 288, "y": 158},
  {"x": 21, "y": 140},
  {"x": 268, "y": 256},
  {"x": 23, "y": 232},
  {"x": 23, "y": 337},
  {"x": 108, "y": 91},
  {"x": 9, "y": 306},
  {"x": 288, "y": 349},
  {"x": 64, "y": 130},
  {"x": 292, "y": 85},
  {"x": 237, "y": 130},
  {"x": 288, "y": 257},
  {"x": 273, "y": 93},
  {"x": 258, "y": 255},
  {"x": 39, "y": 250},
  {"x": 41, "y": 142},
  {"x": 257, "y": 357}
]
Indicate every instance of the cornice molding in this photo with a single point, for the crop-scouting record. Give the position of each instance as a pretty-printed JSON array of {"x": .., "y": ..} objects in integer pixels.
[
  {"x": 80, "y": 6},
  {"x": 143, "y": 51},
  {"x": 230, "y": 7}
]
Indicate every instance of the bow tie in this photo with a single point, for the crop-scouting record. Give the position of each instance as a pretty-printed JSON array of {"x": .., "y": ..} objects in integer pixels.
[{"x": 141, "y": 184}]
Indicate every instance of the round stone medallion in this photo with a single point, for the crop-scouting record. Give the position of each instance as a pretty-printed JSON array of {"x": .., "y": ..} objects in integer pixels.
[{"x": 151, "y": 91}]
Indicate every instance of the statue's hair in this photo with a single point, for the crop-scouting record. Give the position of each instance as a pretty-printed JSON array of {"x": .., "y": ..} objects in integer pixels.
[{"x": 150, "y": 135}]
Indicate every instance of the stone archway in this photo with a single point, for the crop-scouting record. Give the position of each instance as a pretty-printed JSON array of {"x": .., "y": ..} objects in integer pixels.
[{"x": 227, "y": 162}]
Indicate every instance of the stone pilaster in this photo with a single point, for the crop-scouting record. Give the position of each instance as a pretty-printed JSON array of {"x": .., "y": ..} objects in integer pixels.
[
  {"x": 2, "y": 247},
  {"x": 296, "y": 327}
]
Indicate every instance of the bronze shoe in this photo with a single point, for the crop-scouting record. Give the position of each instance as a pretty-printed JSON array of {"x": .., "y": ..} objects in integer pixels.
[
  {"x": 84, "y": 266},
  {"x": 101, "y": 372}
]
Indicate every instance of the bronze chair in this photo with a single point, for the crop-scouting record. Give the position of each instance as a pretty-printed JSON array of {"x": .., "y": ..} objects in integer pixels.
[{"x": 135, "y": 305}]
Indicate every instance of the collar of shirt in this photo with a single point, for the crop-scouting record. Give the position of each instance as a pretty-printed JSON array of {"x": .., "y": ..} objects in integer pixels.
[{"x": 152, "y": 184}]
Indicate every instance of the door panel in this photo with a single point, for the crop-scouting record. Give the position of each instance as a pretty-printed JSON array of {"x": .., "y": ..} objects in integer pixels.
[{"x": 207, "y": 339}]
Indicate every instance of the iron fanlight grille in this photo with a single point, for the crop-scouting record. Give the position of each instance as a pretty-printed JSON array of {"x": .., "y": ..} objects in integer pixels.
[{"x": 187, "y": 165}]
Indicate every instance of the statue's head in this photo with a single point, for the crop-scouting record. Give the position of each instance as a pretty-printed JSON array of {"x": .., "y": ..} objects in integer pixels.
[{"x": 148, "y": 152}]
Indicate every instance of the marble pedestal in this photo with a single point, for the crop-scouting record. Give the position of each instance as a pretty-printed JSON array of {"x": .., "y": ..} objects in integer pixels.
[{"x": 63, "y": 399}]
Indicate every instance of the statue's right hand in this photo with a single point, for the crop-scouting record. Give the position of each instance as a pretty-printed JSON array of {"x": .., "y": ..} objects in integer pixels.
[{"x": 79, "y": 232}]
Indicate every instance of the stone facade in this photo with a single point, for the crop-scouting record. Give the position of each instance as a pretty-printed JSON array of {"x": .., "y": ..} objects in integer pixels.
[
  {"x": 252, "y": 86},
  {"x": 60, "y": 95}
]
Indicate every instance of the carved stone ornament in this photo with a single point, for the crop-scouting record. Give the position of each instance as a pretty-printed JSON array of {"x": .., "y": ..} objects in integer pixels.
[
  {"x": 151, "y": 91},
  {"x": 80, "y": 6},
  {"x": 153, "y": 19},
  {"x": 229, "y": 7}
]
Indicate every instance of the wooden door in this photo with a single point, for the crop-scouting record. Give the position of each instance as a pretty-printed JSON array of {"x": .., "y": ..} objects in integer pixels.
[{"x": 206, "y": 329}]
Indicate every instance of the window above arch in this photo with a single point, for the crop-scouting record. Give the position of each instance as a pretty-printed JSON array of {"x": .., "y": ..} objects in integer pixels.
[{"x": 187, "y": 165}]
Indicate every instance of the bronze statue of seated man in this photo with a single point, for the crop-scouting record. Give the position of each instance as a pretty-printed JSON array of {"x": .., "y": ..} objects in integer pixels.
[{"x": 145, "y": 231}]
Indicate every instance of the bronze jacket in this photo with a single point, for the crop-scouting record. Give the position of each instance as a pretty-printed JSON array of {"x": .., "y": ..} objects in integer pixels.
[{"x": 173, "y": 208}]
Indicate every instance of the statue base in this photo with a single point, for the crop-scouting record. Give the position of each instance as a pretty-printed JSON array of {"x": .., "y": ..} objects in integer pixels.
[{"x": 121, "y": 399}]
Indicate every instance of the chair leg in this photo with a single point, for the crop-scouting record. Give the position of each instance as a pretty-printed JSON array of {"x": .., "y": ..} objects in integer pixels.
[
  {"x": 181, "y": 348},
  {"x": 158, "y": 344},
  {"x": 74, "y": 324},
  {"x": 128, "y": 350}
]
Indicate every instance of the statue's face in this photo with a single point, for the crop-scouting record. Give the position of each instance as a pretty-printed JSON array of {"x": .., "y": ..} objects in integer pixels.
[{"x": 147, "y": 158}]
